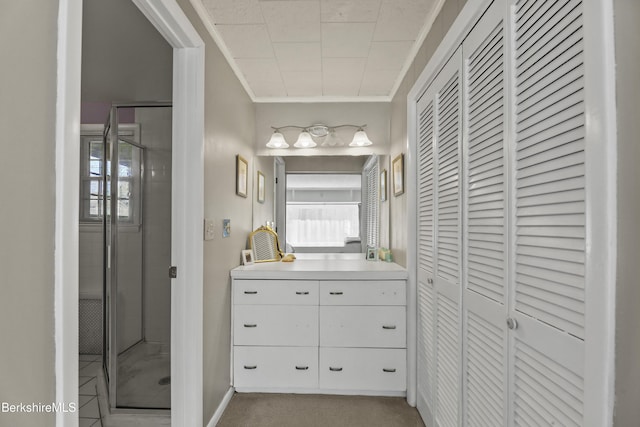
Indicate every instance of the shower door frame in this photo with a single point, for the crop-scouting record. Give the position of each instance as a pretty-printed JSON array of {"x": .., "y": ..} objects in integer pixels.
[{"x": 112, "y": 132}]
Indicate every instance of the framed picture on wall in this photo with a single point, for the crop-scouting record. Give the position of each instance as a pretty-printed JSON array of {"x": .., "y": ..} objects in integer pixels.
[
  {"x": 383, "y": 185},
  {"x": 398, "y": 175},
  {"x": 242, "y": 168},
  {"x": 260, "y": 187}
]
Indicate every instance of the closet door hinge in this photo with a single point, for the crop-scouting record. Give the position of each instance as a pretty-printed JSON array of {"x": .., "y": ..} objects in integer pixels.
[{"x": 173, "y": 272}]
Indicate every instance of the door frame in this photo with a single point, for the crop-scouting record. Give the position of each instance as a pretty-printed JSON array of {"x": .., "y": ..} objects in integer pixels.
[{"x": 187, "y": 207}]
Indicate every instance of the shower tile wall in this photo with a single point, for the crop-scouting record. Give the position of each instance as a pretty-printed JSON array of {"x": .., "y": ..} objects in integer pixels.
[{"x": 155, "y": 129}]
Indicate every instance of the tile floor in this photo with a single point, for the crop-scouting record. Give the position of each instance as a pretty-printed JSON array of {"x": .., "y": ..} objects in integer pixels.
[{"x": 89, "y": 366}]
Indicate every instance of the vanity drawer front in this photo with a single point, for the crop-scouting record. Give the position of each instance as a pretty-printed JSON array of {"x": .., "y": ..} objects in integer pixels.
[
  {"x": 363, "y": 369},
  {"x": 363, "y": 292},
  {"x": 274, "y": 367},
  {"x": 363, "y": 327},
  {"x": 277, "y": 292},
  {"x": 275, "y": 325}
]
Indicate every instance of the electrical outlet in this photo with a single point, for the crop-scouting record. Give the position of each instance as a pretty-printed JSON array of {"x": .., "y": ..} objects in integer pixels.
[{"x": 209, "y": 229}]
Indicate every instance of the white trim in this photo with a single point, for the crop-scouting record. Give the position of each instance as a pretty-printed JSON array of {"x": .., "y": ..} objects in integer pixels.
[
  {"x": 319, "y": 99},
  {"x": 67, "y": 162},
  {"x": 221, "y": 408},
  {"x": 170, "y": 21},
  {"x": 187, "y": 208},
  {"x": 601, "y": 210}
]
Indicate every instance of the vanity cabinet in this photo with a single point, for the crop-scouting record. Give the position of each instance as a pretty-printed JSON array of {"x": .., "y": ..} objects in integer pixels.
[{"x": 331, "y": 335}]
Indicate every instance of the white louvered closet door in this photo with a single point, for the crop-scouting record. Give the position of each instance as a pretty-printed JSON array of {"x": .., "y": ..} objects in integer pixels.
[
  {"x": 439, "y": 224},
  {"x": 485, "y": 255},
  {"x": 425, "y": 324},
  {"x": 547, "y": 347}
]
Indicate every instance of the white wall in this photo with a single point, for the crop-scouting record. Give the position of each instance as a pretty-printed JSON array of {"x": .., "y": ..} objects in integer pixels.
[
  {"x": 627, "y": 33},
  {"x": 374, "y": 115},
  {"x": 28, "y": 40},
  {"x": 229, "y": 130},
  {"x": 398, "y": 205}
]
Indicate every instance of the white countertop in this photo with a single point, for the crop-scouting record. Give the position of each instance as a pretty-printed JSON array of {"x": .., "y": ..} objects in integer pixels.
[{"x": 322, "y": 267}]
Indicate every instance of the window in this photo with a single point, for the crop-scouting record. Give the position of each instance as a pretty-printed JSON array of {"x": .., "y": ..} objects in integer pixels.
[
  {"x": 92, "y": 179},
  {"x": 323, "y": 210}
]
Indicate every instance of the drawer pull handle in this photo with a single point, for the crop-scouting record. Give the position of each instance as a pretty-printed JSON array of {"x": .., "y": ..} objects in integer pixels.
[
  {"x": 302, "y": 293},
  {"x": 336, "y": 293},
  {"x": 332, "y": 369},
  {"x": 388, "y": 370},
  {"x": 388, "y": 326},
  {"x": 250, "y": 325},
  {"x": 250, "y": 292},
  {"x": 250, "y": 367},
  {"x": 302, "y": 368}
]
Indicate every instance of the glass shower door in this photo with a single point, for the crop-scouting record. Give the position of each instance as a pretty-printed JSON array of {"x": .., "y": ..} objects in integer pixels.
[{"x": 137, "y": 244}]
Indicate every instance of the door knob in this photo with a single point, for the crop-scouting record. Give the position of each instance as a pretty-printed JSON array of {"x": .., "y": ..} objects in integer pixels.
[{"x": 512, "y": 323}]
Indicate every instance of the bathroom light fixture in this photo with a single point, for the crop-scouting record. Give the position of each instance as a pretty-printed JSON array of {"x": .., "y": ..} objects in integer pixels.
[
  {"x": 318, "y": 131},
  {"x": 305, "y": 140},
  {"x": 277, "y": 141},
  {"x": 360, "y": 139}
]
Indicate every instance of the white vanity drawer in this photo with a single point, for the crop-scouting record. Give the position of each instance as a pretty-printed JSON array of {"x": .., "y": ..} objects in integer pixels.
[
  {"x": 278, "y": 292},
  {"x": 275, "y": 367},
  {"x": 363, "y": 369},
  {"x": 363, "y": 327},
  {"x": 275, "y": 325},
  {"x": 359, "y": 292}
]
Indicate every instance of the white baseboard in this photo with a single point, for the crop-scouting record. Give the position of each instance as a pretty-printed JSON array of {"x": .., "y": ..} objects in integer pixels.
[{"x": 221, "y": 407}]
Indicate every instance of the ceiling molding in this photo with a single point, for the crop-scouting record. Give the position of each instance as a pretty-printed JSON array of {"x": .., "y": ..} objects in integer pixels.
[
  {"x": 320, "y": 99},
  {"x": 206, "y": 21}
]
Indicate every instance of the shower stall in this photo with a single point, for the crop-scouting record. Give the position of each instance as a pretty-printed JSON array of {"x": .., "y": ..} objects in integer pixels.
[{"x": 136, "y": 206}]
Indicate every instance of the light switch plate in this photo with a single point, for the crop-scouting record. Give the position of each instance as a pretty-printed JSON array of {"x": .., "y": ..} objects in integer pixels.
[{"x": 209, "y": 229}]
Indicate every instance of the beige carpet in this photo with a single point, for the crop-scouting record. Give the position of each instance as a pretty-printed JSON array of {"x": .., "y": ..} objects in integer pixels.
[{"x": 300, "y": 410}]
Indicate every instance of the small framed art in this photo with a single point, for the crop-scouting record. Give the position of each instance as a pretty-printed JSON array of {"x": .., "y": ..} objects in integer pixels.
[
  {"x": 260, "y": 187},
  {"x": 398, "y": 175},
  {"x": 372, "y": 254},
  {"x": 247, "y": 257},
  {"x": 242, "y": 168}
]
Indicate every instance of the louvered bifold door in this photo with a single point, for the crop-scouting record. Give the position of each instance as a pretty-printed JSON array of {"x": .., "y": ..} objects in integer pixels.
[
  {"x": 485, "y": 233},
  {"x": 426, "y": 320},
  {"x": 547, "y": 344},
  {"x": 439, "y": 224},
  {"x": 447, "y": 241}
]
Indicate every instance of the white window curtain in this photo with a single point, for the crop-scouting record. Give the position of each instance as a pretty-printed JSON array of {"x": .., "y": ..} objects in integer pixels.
[{"x": 321, "y": 224}]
